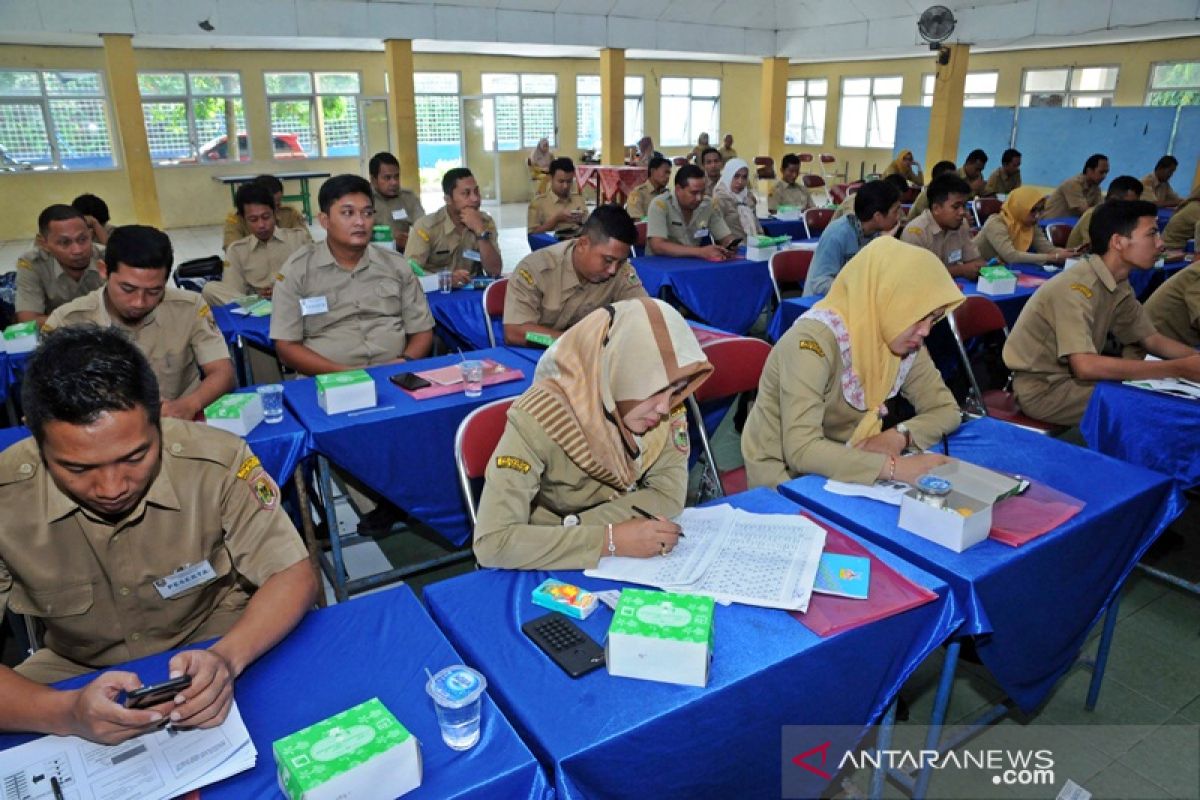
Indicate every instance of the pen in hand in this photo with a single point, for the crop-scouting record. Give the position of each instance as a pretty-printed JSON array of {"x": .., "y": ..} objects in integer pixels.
[{"x": 643, "y": 512}]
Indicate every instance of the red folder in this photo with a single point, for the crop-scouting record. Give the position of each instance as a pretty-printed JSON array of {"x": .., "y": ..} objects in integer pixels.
[
  {"x": 1024, "y": 517},
  {"x": 493, "y": 372}
]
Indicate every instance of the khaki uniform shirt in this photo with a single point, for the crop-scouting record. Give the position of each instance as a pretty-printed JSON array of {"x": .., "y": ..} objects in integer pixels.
[
  {"x": 1072, "y": 197},
  {"x": 710, "y": 185},
  {"x": 435, "y": 244},
  {"x": 638, "y": 203},
  {"x": 43, "y": 285},
  {"x": 951, "y": 246},
  {"x": 546, "y": 290},
  {"x": 665, "y": 220},
  {"x": 357, "y": 317},
  {"x": 530, "y": 485},
  {"x": 800, "y": 422},
  {"x": 994, "y": 241},
  {"x": 1174, "y": 308},
  {"x": 1071, "y": 313},
  {"x": 178, "y": 337},
  {"x": 727, "y": 153},
  {"x": 1000, "y": 182},
  {"x": 1158, "y": 192},
  {"x": 236, "y": 227},
  {"x": 788, "y": 194},
  {"x": 1183, "y": 225},
  {"x": 1079, "y": 234},
  {"x": 400, "y": 211},
  {"x": 545, "y": 206},
  {"x": 252, "y": 264},
  {"x": 91, "y": 581},
  {"x": 971, "y": 195},
  {"x": 919, "y": 206}
]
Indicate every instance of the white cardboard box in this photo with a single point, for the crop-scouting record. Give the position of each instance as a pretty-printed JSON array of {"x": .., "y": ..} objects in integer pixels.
[
  {"x": 788, "y": 213},
  {"x": 755, "y": 253},
  {"x": 975, "y": 489},
  {"x": 237, "y": 413},
  {"x": 338, "y": 392},
  {"x": 660, "y": 636},
  {"x": 429, "y": 283},
  {"x": 989, "y": 286},
  {"x": 20, "y": 338}
]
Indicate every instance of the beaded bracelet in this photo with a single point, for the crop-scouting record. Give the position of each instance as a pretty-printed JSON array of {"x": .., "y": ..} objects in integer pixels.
[
  {"x": 612, "y": 547},
  {"x": 891, "y": 468}
]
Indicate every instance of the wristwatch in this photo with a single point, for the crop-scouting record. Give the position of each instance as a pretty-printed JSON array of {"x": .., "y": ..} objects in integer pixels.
[
  {"x": 903, "y": 430},
  {"x": 483, "y": 237}
]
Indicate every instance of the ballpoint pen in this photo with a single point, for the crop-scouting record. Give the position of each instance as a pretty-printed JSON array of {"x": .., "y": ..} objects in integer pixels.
[{"x": 648, "y": 515}]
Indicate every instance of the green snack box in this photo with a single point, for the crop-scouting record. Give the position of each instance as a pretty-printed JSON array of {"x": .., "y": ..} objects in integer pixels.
[
  {"x": 338, "y": 392},
  {"x": 236, "y": 413},
  {"x": 363, "y": 752},
  {"x": 996, "y": 280},
  {"x": 21, "y": 337},
  {"x": 533, "y": 337},
  {"x": 661, "y": 636}
]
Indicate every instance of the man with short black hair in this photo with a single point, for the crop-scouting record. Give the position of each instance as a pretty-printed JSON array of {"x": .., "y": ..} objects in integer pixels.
[
  {"x": 921, "y": 204},
  {"x": 555, "y": 287},
  {"x": 1123, "y": 187},
  {"x": 285, "y": 216},
  {"x": 942, "y": 230},
  {"x": 876, "y": 211},
  {"x": 559, "y": 210},
  {"x": 679, "y": 222},
  {"x": 711, "y": 163},
  {"x": 130, "y": 535},
  {"x": 1077, "y": 194},
  {"x": 658, "y": 175},
  {"x": 1056, "y": 348},
  {"x": 458, "y": 236},
  {"x": 787, "y": 191},
  {"x": 394, "y": 205},
  {"x": 1158, "y": 184},
  {"x": 173, "y": 327},
  {"x": 63, "y": 265},
  {"x": 95, "y": 212},
  {"x": 972, "y": 172},
  {"x": 1006, "y": 177}
]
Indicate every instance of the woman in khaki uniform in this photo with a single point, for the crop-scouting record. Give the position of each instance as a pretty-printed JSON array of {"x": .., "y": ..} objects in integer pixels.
[
  {"x": 1184, "y": 223},
  {"x": 600, "y": 434},
  {"x": 821, "y": 399},
  {"x": 903, "y": 166},
  {"x": 1010, "y": 234},
  {"x": 735, "y": 202}
]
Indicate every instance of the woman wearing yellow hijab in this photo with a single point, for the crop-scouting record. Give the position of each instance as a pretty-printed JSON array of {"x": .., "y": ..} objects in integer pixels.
[
  {"x": 903, "y": 166},
  {"x": 600, "y": 432},
  {"x": 1010, "y": 234},
  {"x": 821, "y": 399}
]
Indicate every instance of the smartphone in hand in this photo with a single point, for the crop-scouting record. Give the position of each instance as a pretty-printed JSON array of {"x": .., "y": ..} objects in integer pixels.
[{"x": 156, "y": 693}]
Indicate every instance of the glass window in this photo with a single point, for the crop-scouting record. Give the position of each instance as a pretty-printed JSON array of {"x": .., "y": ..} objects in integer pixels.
[
  {"x": 192, "y": 117},
  {"x": 1175, "y": 84},
  {"x": 635, "y": 90},
  {"x": 1069, "y": 87},
  {"x": 587, "y": 112},
  {"x": 54, "y": 120},
  {"x": 806, "y": 111},
  {"x": 314, "y": 114},
  {"x": 524, "y": 109},
  {"x": 690, "y": 106},
  {"x": 979, "y": 91},
  {"x": 868, "y": 111},
  {"x": 439, "y": 126}
]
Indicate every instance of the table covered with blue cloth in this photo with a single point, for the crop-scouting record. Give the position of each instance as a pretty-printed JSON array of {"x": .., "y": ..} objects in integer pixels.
[
  {"x": 726, "y": 294},
  {"x": 539, "y": 240},
  {"x": 1143, "y": 281},
  {"x": 1155, "y": 430},
  {"x": 254, "y": 330},
  {"x": 1031, "y": 606},
  {"x": 460, "y": 318},
  {"x": 794, "y": 228},
  {"x": 603, "y": 736},
  {"x": 404, "y": 448},
  {"x": 374, "y": 646}
]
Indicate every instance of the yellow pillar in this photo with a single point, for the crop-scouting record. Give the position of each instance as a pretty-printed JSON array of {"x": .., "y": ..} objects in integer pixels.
[
  {"x": 773, "y": 108},
  {"x": 945, "y": 118},
  {"x": 612, "y": 105},
  {"x": 402, "y": 101},
  {"x": 127, "y": 108}
]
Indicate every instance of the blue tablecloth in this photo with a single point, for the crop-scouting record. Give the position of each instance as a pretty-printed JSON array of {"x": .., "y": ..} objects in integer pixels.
[
  {"x": 1143, "y": 281},
  {"x": 794, "y": 228},
  {"x": 4, "y": 380},
  {"x": 13, "y": 369},
  {"x": 404, "y": 448},
  {"x": 726, "y": 294},
  {"x": 254, "y": 330},
  {"x": 1155, "y": 430},
  {"x": 1033, "y": 605},
  {"x": 373, "y": 646},
  {"x": 539, "y": 240},
  {"x": 460, "y": 319},
  {"x": 615, "y": 737}
]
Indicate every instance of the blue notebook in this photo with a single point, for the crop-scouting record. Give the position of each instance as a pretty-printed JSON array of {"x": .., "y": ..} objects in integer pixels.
[{"x": 843, "y": 576}]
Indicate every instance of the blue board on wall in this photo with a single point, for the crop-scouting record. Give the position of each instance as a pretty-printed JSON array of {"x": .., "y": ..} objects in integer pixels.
[
  {"x": 1186, "y": 148},
  {"x": 989, "y": 129},
  {"x": 1055, "y": 142}
]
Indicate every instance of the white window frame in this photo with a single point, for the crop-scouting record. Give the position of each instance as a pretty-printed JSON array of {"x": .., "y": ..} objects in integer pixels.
[
  {"x": 318, "y": 115},
  {"x": 187, "y": 99},
  {"x": 800, "y": 89},
  {"x": 521, "y": 95},
  {"x": 691, "y": 130},
  {"x": 1151, "y": 90},
  {"x": 431, "y": 176},
  {"x": 43, "y": 99},
  {"x": 873, "y": 98},
  {"x": 635, "y": 93},
  {"x": 1069, "y": 94},
  {"x": 970, "y": 99}
]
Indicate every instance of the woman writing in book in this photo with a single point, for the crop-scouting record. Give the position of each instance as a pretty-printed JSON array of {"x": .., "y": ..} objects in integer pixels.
[
  {"x": 822, "y": 397},
  {"x": 599, "y": 438}
]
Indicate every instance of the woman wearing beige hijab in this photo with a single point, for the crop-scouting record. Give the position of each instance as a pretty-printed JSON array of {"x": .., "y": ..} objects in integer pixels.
[
  {"x": 600, "y": 431},
  {"x": 539, "y": 164},
  {"x": 735, "y": 201}
]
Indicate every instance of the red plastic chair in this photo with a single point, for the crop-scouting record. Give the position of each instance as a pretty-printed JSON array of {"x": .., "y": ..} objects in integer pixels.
[
  {"x": 680, "y": 161},
  {"x": 837, "y": 193},
  {"x": 817, "y": 220},
  {"x": 1058, "y": 233},
  {"x": 493, "y": 306},
  {"x": 976, "y": 317},
  {"x": 983, "y": 208},
  {"x": 765, "y": 168},
  {"x": 737, "y": 366},
  {"x": 806, "y": 160},
  {"x": 829, "y": 165},
  {"x": 813, "y": 182},
  {"x": 474, "y": 442},
  {"x": 788, "y": 266}
]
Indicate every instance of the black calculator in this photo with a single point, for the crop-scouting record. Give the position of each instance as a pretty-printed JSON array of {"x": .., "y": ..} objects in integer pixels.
[{"x": 563, "y": 640}]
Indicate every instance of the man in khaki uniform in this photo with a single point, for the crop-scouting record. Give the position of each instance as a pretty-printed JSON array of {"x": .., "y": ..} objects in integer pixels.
[
  {"x": 63, "y": 265},
  {"x": 942, "y": 229},
  {"x": 458, "y": 236},
  {"x": 557, "y": 286},
  {"x": 394, "y": 205},
  {"x": 1158, "y": 184},
  {"x": 921, "y": 204},
  {"x": 252, "y": 263},
  {"x": 1174, "y": 308},
  {"x": 711, "y": 163},
  {"x": 1123, "y": 187},
  {"x": 727, "y": 152},
  {"x": 1183, "y": 225},
  {"x": 132, "y": 536},
  {"x": 559, "y": 210},
  {"x": 1006, "y": 177},
  {"x": 1055, "y": 350},
  {"x": 1077, "y": 194},
  {"x": 787, "y": 191},
  {"x": 173, "y": 328},
  {"x": 972, "y": 172},
  {"x": 285, "y": 216},
  {"x": 658, "y": 175},
  {"x": 678, "y": 222}
]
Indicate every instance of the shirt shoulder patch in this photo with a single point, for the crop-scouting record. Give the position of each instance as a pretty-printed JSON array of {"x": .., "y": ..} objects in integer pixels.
[
  {"x": 243, "y": 472},
  {"x": 1083, "y": 290},
  {"x": 24, "y": 263},
  {"x": 424, "y": 234},
  {"x": 514, "y": 463},
  {"x": 914, "y": 230},
  {"x": 526, "y": 275},
  {"x": 809, "y": 344}
]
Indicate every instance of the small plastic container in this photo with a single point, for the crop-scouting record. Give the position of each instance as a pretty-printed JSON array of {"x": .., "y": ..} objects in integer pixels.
[
  {"x": 457, "y": 694},
  {"x": 933, "y": 490}
]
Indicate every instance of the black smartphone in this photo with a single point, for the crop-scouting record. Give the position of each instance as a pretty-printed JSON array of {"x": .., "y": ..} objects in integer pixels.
[
  {"x": 157, "y": 693},
  {"x": 409, "y": 380},
  {"x": 734, "y": 245}
]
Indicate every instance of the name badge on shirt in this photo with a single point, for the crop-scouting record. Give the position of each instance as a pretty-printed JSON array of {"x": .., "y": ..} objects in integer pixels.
[
  {"x": 471, "y": 255},
  {"x": 185, "y": 578},
  {"x": 399, "y": 214},
  {"x": 313, "y": 305},
  {"x": 955, "y": 256},
  {"x": 702, "y": 233}
]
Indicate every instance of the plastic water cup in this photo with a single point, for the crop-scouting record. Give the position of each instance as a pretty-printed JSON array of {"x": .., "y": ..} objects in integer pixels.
[
  {"x": 472, "y": 375},
  {"x": 445, "y": 281},
  {"x": 271, "y": 395},
  {"x": 457, "y": 697}
]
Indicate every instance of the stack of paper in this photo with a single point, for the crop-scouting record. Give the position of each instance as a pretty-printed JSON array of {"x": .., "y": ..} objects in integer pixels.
[
  {"x": 732, "y": 556},
  {"x": 1175, "y": 386}
]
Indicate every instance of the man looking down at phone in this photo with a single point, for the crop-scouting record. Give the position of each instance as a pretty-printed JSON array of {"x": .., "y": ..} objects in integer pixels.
[
  {"x": 559, "y": 210},
  {"x": 128, "y": 534},
  {"x": 677, "y": 224}
]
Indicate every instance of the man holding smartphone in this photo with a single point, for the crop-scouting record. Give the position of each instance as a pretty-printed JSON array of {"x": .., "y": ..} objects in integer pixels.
[
  {"x": 679, "y": 223},
  {"x": 128, "y": 534},
  {"x": 559, "y": 210}
]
